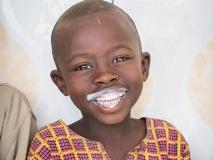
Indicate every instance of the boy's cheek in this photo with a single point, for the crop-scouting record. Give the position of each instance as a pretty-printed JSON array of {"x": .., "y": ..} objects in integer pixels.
[
  {"x": 77, "y": 86},
  {"x": 133, "y": 72}
]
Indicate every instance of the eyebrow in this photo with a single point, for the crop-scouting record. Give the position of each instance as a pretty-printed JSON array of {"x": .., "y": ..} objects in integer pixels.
[
  {"x": 121, "y": 46},
  {"x": 76, "y": 56},
  {"x": 113, "y": 49}
]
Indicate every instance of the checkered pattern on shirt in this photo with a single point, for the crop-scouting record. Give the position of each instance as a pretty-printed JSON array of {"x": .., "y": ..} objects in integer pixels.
[{"x": 57, "y": 142}]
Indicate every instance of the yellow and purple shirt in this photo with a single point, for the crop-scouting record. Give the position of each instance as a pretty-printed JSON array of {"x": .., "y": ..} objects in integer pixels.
[{"x": 57, "y": 141}]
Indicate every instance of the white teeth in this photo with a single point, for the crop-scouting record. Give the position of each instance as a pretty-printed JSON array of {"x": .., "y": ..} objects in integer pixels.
[
  {"x": 102, "y": 103},
  {"x": 108, "y": 98},
  {"x": 109, "y": 103}
]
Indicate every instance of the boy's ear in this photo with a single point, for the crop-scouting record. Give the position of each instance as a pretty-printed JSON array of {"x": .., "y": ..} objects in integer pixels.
[
  {"x": 58, "y": 79},
  {"x": 145, "y": 65}
]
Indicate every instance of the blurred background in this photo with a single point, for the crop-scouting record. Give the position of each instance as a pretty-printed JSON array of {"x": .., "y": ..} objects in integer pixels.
[{"x": 177, "y": 33}]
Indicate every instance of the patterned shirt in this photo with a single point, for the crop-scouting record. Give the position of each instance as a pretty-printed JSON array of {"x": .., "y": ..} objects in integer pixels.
[{"x": 57, "y": 141}]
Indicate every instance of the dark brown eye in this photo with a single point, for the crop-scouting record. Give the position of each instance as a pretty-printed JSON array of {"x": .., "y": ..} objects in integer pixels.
[
  {"x": 120, "y": 59},
  {"x": 82, "y": 67}
]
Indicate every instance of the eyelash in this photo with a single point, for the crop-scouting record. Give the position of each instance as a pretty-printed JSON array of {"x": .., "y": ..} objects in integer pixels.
[
  {"x": 82, "y": 67},
  {"x": 120, "y": 59}
]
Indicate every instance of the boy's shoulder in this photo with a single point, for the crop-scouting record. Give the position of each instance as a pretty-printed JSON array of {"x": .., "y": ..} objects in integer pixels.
[
  {"x": 158, "y": 123},
  {"x": 163, "y": 129},
  {"x": 52, "y": 130}
]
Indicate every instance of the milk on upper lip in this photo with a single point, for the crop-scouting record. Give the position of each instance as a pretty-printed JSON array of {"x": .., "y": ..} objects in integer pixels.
[{"x": 108, "y": 92}]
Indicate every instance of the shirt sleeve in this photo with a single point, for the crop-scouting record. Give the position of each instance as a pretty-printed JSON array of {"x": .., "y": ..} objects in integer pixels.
[{"x": 39, "y": 149}]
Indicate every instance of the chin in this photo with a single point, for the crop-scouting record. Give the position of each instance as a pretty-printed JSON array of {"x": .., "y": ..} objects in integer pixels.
[{"x": 112, "y": 119}]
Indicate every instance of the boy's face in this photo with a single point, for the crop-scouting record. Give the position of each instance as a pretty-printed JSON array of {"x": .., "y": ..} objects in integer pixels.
[{"x": 101, "y": 66}]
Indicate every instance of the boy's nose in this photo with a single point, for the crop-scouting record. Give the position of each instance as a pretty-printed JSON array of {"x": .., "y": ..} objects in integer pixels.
[{"x": 105, "y": 77}]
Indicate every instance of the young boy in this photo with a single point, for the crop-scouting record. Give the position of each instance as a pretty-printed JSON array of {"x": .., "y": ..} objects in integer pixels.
[{"x": 101, "y": 66}]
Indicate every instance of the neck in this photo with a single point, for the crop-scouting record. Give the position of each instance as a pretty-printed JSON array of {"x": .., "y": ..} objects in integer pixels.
[
  {"x": 101, "y": 132},
  {"x": 93, "y": 129}
]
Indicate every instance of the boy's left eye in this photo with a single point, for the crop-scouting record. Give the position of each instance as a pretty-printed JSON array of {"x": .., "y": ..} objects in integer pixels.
[
  {"x": 120, "y": 59},
  {"x": 82, "y": 67}
]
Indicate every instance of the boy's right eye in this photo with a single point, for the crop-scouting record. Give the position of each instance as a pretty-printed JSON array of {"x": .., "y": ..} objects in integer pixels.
[{"x": 82, "y": 67}]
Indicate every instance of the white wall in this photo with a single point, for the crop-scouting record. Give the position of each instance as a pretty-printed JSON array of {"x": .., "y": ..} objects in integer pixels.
[{"x": 178, "y": 34}]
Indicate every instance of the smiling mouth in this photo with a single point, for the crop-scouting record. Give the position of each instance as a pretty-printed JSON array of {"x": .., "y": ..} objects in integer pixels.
[{"x": 108, "y": 98}]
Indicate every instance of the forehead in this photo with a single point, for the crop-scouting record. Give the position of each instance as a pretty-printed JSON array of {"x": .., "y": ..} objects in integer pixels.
[
  {"x": 112, "y": 18},
  {"x": 106, "y": 23}
]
